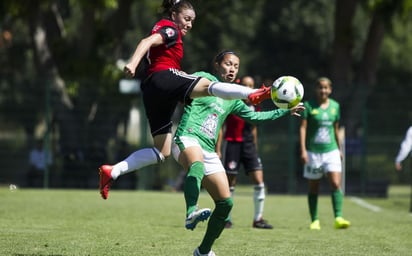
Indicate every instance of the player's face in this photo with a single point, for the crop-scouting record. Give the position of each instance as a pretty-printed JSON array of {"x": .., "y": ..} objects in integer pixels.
[
  {"x": 248, "y": 81},
  {"x": 228, "y": 67},
  {"x": 184, "y": 20},
  {"x": 323, "y": 90}
]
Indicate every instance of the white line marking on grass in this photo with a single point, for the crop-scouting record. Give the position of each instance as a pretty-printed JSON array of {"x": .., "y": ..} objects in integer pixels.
[{"x": 365, "y": 204}]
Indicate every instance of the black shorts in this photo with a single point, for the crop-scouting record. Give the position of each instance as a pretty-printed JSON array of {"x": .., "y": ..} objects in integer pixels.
[
  {"x": 237, "y": 153},
  {"x": 161, "y": 93}
]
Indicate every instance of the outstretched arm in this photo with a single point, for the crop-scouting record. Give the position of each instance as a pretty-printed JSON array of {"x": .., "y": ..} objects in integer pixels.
[
  {"x": 144, "y": 45},
  {"x": 302, "y": 141},
  {"x": 244, "y": 112}
]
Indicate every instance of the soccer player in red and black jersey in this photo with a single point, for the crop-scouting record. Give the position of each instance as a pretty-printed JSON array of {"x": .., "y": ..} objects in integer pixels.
[
  {"x": 240, "y": 148},
  {"x": 165, "y": 84}
]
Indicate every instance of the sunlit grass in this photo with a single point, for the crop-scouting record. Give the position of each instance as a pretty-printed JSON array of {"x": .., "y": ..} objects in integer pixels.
[{"x": 79, "y": 222}]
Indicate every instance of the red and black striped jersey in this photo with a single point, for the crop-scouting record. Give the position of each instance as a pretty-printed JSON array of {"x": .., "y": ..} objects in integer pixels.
[{"x": 170, "y": 53}]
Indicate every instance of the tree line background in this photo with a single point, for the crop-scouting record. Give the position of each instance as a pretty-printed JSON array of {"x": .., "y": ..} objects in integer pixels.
[{"x": 60, "y": 67}]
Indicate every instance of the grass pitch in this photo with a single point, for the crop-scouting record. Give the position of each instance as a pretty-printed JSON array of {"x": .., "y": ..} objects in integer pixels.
[{"x": 78, "y": 222}]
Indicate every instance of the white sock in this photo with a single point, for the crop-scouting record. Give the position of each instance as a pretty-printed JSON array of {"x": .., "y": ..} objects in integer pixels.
[
  {"x": 137, "y": 160},
  {"x": 232, "y": 191},
  {"x": 259, "y": 200},
  {"x": 229, "y": 91}
]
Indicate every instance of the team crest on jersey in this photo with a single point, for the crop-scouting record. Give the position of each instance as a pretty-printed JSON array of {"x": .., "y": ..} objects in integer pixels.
[
  {"x": 170, "y": 32},
  {"x": 209, "y": 126}
]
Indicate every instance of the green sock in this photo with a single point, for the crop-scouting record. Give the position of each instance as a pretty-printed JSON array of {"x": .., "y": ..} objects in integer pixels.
[
  {"x": 192, "y": 185},
  {"x": 313, "y": 206},
  {"x": 337, "y": 201},
  {"x": 216, "y": 224}
]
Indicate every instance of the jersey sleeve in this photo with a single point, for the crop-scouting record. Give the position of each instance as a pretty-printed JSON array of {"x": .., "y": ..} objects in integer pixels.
[
  {"x": 169, "y": 34},
  {"x": 243, "y": 111}
]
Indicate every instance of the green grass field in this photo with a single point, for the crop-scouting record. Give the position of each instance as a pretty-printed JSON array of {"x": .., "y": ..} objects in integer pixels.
[{"x": 79, "y": 222}]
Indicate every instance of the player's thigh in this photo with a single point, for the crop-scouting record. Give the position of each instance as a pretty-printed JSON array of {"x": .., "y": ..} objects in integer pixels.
[
  {"x": 217, "y": 185},
  {"x": 187, "y": 150},
  {"x": 163, "y": 143},
  {"x": 332, "y": 161},
  {"x": 232, "y": 157},
  {"x": 333, "y": 167},
  {"x": 250, "y": 158},
  {"x": 200, "y": 89},
  {"x": 215, "y": 180},
  {"x": 313, "y": 169}
]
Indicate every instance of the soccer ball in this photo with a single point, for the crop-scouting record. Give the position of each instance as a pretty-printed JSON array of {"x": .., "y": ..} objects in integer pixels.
[{"x": 287, "y": 92}]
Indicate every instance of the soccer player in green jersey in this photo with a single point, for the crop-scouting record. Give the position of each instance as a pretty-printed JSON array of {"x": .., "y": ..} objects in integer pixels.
[
  {"x": 194, "y": 147},
  {"x": 320, "y": 151}
]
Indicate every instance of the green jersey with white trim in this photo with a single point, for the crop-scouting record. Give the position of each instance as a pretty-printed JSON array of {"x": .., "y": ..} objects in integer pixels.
[
  {"x": 320, "y": 136},
  {"x": 204, "y": 117}
]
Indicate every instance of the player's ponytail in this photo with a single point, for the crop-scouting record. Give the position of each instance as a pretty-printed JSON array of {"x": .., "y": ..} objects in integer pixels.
[{"x": 170, "y": 6}]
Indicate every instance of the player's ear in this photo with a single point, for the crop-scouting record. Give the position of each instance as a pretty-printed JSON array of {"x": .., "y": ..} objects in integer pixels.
[{"x": 216, "y": 66}]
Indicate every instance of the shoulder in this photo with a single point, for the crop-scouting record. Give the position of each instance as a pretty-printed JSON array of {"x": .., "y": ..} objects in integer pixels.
[
  {"x": 309, "y": 103},
  {"x": 334, "y": 102},
  {"x": 167, "y": 27}
]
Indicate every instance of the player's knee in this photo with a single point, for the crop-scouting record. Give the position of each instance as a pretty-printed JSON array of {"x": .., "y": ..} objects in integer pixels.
[
  {"x": 260, "y": 191},
  {"x": 196, "y": 169},
  {"x": 161, "y": 156},
  {"x": 223, "y": 208}
]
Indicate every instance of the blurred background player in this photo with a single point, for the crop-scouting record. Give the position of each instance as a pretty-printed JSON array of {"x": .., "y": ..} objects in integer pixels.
[
  {"x": 240, "y": 148},
  {"x": 404, "y": 150},
  {"x": 320, "y": 151},
  {"x": 39, "y": 160}
]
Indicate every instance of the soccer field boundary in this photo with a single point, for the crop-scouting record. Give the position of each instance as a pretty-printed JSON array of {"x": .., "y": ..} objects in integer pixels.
[{"x": 364, "y": 204}]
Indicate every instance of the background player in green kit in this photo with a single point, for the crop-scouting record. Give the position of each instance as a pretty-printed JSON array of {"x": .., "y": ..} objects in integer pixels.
[
  {"x": 320, "y": 151},
  {"x": 194, "y": 147}
]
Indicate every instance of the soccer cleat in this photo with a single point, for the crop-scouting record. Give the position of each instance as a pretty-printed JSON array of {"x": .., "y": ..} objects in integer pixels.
[
  {"x": 259, "y": 95},
  {"x": 197, "y": 253},
  {"x": 228, "y": 224},
  {"x": 315, "y": 225},
  {"x": 262, "y": 224},
  {"x": 106, "y": 180},
  {"x": 341, "y": 223},
  {"x": 196, "y": 216}
]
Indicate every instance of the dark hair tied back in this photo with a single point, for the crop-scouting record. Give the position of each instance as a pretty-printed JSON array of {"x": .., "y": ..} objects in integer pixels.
[
  {"x": 170, "y": 6},
  {"x": 219, "y": 57}
]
